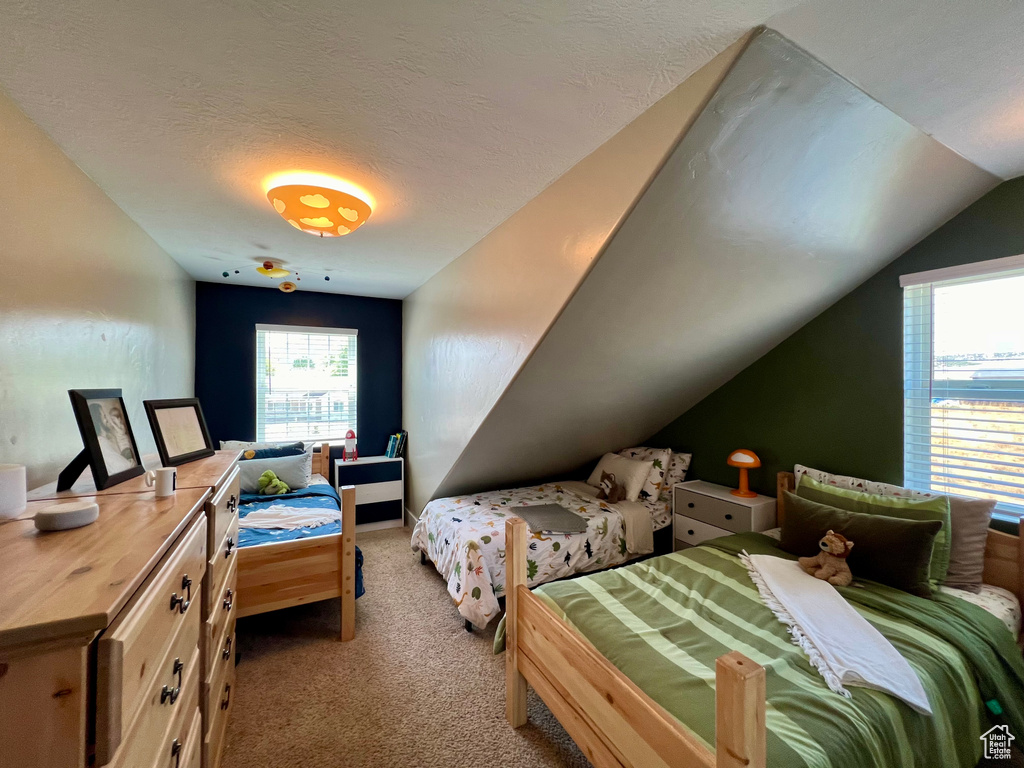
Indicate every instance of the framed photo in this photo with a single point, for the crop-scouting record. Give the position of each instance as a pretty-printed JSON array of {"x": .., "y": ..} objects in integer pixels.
[
  {"x": 110, "y": 447},
  {"x": 180, "y": 430}
]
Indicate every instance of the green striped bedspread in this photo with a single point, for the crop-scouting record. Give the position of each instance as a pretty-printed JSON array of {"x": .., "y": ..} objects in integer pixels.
[{"x": 663, "y": 622}]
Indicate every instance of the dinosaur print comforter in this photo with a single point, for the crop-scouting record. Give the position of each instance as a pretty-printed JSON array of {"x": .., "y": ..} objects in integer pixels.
[{"x": 465, "y": 538}]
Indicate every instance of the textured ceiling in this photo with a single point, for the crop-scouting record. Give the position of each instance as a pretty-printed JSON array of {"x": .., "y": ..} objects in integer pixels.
[
  {"x": 452, "y": 114},
  {"x": 953, "y": 69}
]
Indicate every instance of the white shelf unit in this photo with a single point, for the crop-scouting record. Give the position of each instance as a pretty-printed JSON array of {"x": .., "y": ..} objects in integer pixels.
[{"x": 380, "y": 490}]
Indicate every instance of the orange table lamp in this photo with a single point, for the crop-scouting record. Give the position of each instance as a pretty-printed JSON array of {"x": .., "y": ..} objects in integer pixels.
[{"x": 745, "y": 460}]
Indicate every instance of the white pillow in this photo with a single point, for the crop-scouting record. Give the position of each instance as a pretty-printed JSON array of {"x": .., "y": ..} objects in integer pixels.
[
  {"x": 295, "y": 471},
  {"x": 628, "y": 473},
  {"x": 660, "y": 457}
]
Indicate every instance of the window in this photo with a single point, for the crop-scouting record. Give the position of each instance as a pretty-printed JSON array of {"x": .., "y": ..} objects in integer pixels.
[
  {"x": 305, "y": 383},
  {"x": 963, "y": 381}
]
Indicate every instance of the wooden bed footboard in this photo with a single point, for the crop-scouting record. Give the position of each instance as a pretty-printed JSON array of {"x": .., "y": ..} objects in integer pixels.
[
  {"x": 281, "y": 575},
  {"x": 608, "y": 716}
]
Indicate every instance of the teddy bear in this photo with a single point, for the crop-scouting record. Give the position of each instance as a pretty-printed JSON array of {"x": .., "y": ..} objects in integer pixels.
[
  {"x": 830, "y": 564},
  {"x": 610, "y": 488},
  {"x": 269, "y": 484}
]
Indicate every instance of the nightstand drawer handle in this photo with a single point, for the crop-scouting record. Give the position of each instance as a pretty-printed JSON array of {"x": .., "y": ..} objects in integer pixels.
[
  {"x": 728, "y": 517},
  {"x": 176, "y": 752},
  {"x": 226, "y": 653},
  {"x": 231, "y": 546},
  {"x": 690, "y": 532},
  {"x": 690, "y": 505},
  {"x": 227, "y": 697},
  {"x": 229, "y": 599}
]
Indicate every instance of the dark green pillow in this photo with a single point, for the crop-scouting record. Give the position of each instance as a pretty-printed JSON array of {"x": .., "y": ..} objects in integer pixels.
[{"x": 888, "y": 550}]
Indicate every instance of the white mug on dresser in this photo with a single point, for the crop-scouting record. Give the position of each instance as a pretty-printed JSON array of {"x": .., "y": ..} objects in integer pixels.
[
  {"x": 164, "y": 479},
  {"x": 13, "y": 491}
]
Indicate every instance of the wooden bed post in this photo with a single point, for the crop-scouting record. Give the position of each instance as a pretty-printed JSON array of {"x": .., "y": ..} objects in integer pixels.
[
  {"x": 515, "y": 576},
  {"x": 347, "y": 572},
  {"x": 739, "y": 712}
]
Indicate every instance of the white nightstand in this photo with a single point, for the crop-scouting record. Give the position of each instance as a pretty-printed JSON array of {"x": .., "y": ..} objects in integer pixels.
[
  {"x": 380, "y": 490},
  {"x": 705, "y": 511}
]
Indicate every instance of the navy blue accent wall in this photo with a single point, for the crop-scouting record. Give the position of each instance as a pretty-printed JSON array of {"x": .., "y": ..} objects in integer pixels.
[{"x": 226, "y": 319}]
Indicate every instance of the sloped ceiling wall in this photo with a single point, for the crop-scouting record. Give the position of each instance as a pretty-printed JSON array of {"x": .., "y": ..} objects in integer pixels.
[
  {"x": 791, "y": 188},
  {"x": 470, "y": 328}
]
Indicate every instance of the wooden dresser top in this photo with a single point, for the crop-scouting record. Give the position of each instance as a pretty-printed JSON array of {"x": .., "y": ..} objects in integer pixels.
[
  {"x": 73, "y": 583},
  {"x": 204, "y": 473}
]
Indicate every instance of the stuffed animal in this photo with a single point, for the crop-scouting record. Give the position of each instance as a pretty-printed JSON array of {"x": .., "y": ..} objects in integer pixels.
[
  {"x": 610, "y": 488},
  {"x": 830, "y": 564},
  {"x": 269, "y": 484}
]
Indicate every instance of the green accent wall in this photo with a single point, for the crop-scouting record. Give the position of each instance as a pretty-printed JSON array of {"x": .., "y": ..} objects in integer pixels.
[{"x": 831, "y": 395}]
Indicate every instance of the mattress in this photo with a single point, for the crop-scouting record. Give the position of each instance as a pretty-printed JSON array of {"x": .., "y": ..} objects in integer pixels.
[
  {"x": 464, "y": 536},
  {"x": 1000, "y": 602},
  {"x": 664, "y": 621},
  {"x": 317, "y": 496}
]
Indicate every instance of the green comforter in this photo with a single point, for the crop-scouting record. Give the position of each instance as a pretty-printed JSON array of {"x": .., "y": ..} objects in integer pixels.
[{"x": 663, "y": 622}]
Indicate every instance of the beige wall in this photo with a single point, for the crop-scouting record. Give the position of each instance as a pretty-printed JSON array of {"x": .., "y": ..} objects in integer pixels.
[
  {"x": 789, "y": 190},
  {"x": 89, "y": 300},
  {"x": 469, "y": 329}
]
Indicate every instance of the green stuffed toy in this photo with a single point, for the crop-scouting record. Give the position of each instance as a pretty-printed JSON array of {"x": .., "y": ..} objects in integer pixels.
[{"x": 269, "y": 484}]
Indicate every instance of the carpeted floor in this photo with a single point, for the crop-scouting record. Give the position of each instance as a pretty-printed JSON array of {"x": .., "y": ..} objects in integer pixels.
[{"x": 413, "y": 689}]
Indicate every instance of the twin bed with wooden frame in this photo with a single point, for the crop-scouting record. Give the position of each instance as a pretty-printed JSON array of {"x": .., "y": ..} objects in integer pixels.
[
  {"x": 610, "y": 718},
  {"x": 282, "y": 574}
]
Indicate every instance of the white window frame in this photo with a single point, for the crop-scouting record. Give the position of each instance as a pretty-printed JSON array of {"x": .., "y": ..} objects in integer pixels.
[
  {"x": 311, "y": 329},
  {"x": 918, "y": 369}
]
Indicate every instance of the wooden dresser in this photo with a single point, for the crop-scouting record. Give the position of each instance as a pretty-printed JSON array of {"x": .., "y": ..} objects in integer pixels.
[{"x": 116, "y": 639}]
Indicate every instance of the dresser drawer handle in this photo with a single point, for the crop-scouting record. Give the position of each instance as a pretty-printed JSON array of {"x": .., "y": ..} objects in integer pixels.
[
  {"x": 233, "y": 504},
  {"x": 229, "y": 600},
  {"x": 176, "y": 752},
  {"x": 690, "y": 505},
  {"x": 226, "y": 653},
  {"x": 728, "y": 517},
  {"x": 169, "y": 693},
  {"x": 227, "y": 697},
  {"x": 690, "y": 532},
  {"x": 182, "y": 602},
  {"x": 231, "y": 546}
]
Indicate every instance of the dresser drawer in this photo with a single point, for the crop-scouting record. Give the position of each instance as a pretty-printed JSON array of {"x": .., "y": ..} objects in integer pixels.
[
  {"x": 693, "y": 532},
  {"x": 222, "y": 615},
  {"x": 220, "y": 564},
  {"x": 222, "y": 509},
  {"x": 163, "y": 617},
  {"x": 717, "y": 512},
  {"x": 220, "y": 700},
  {"x": 150, "y": 740},
  {"x": 186, "y": 747}
]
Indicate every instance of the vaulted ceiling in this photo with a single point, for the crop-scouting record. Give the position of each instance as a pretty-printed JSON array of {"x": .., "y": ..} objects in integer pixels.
[{"x": 453, "y": 115}]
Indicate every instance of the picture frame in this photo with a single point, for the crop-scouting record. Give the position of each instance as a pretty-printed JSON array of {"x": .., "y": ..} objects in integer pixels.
[
  {"x": 110, "y": 448},
  {"x": 179, "y": 429}
]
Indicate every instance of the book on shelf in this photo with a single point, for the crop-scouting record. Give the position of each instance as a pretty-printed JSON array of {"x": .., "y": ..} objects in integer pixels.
[{"x": 392, "y": 443}]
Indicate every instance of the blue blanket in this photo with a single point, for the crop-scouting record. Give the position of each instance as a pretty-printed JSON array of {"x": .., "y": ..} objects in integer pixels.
[{"x": 314, "y": 497}]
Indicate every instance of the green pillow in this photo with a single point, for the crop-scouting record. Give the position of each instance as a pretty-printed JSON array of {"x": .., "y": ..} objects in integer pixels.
[
  {"x": 936, "y": 508},
  {"x": 889, "y": 550}
]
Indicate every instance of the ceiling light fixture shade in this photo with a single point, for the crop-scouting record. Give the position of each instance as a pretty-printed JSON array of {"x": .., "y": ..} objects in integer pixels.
[{"x": 318, "y": 204}]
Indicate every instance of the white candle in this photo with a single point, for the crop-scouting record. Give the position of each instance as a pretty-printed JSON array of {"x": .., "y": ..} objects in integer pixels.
[{"x": 13, "y": 490}]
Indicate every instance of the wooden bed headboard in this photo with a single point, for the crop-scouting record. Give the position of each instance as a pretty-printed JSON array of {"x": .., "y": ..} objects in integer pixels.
[
  {"x": 1004, "y": 552},
  {"x": 322, "y": 461}
]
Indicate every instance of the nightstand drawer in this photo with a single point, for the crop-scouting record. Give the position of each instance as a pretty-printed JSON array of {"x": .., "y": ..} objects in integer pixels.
[
  {"x": 694, "y": 532},
  {"x": 716, "y": 512}
]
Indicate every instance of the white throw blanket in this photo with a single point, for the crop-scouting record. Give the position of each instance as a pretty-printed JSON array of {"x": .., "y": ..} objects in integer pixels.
[
  {"x": 289, "y": 518},
  {"x": 636, "y": 519},
  {"x": 841, "y": 644}
]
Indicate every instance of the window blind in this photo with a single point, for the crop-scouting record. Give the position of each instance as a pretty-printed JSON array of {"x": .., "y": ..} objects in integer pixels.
[
  {"x": 963, "y": 348},
  {"x": 305, "y": 383}
]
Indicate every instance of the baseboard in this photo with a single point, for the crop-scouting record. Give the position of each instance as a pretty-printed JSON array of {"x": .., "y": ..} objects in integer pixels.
[{"x": 379, "y": 526}]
